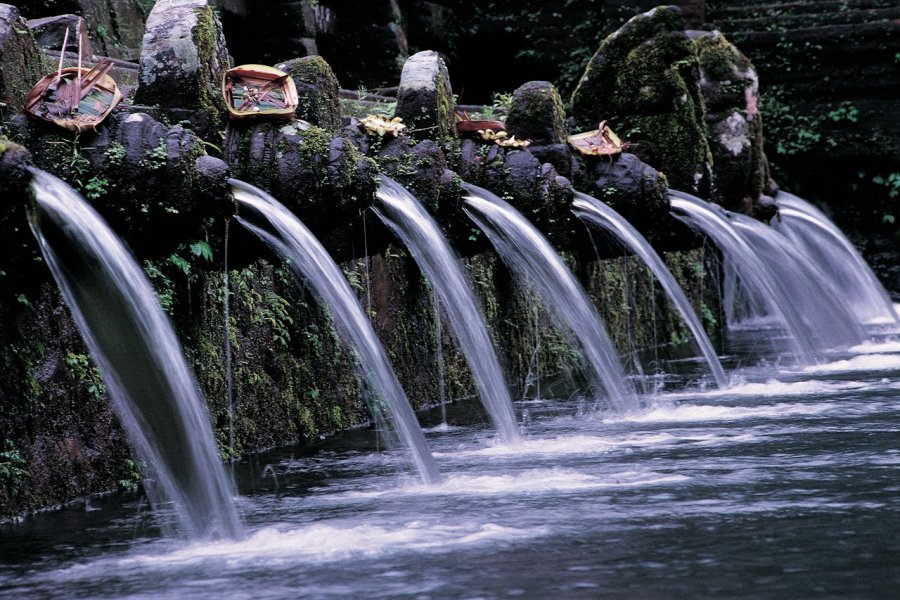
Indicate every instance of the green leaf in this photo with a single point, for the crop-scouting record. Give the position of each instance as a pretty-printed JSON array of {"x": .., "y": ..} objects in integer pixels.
[
  {"x": 180, "y": 263},
  {"x": 202, "y": 250}
]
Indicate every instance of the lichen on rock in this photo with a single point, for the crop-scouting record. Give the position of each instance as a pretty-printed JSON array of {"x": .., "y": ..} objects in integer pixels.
[
  {"x": 183, "y": 58},
  {"x": 730, "y": 89}
]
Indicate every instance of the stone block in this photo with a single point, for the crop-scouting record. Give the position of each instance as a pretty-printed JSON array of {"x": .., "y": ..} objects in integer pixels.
[
  {"x": 537, "y": 114},
  {"x": 21, "y": 63},
  {"x": 425, "y": 98},
  {"x": 183, "y": 57},
  {"x": 318, "y": 92}
]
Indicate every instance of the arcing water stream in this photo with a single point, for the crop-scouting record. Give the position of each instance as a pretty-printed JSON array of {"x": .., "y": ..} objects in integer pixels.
[
  {"x": 601, "y": 215},
  {"x": 810, "y": 229},
  {"x": 528, "y": 254},
  {"x": 140, "y": 358},
  {"x": 290, "y": 238},
  {"x": 406, "y": 216}
]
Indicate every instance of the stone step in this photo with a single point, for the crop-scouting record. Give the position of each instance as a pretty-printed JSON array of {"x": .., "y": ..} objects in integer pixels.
[
  {"x": 775, "y": 22},
  {"x": 742, "y": 9}
]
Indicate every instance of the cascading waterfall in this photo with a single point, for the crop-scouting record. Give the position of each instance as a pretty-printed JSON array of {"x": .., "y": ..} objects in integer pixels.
[
  {"x": 839, "y": 260},
  {"x": 756, "y": 278},
  {"x": 601, "y": 215},
  {"x": 312, "y": 262},
  {"x": 531, "y": 257},
  {"x": 139, "y": 356},
  {"x": 409, "y": 220},
  {"x": 816, "y": 302}
]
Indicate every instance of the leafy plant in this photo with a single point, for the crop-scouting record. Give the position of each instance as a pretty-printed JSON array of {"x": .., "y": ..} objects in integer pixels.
[
  {"x": 12, "y": 472},
  {"x": 202, "y": 250},
  {"x": 95, "y": 187},
  {"x": 82, "y": 371},
  {"x": 275, "y": 313},
  {"x": 129, "y": 482},
  {"x": 892, "y": 183},
  {"x": 155, "y": 158},
  {"x": 337, "y": 416},
  {"x": 115, "y": 154},
  {"x": 845, "y": 112}
]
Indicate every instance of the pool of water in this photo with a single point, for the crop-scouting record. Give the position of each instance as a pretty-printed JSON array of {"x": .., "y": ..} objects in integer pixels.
[{"x": 786, "y": 485}]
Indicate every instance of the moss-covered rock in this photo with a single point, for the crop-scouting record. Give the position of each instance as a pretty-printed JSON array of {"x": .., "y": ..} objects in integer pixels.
[
  {"x": 644, "y": 80},
  {"x": 422, "y": 169},
  {"x": 537, "y": 114},
  {"x": 54, "y": 414},
  {"x": 18, "y": 251},
  {"x": 633, "y": 188},
  {"x": 318, "y": 92},
  {"x": 425, "y": 98},
  {"x": 322, "y": 178},
  {"x": 140, "y": 175},
  {"x": 516, "y": 175},
  {"x": 21, "y": 63},
  {"x": 183, "y": 58},
  {"x": 730, "y": 91}
]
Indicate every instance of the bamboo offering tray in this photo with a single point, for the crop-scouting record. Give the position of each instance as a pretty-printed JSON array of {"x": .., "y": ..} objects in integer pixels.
[
  {"x": 259, "y": 91},
  {"x": 74, "y": 98},
  {"x": 600, "y": 142}
]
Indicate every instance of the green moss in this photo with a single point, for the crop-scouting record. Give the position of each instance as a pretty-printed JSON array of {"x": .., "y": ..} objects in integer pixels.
[
  {"x": 317, "y": 91},
  {"x": 644, "y": 81},
  {"x": 719, "y": 58},
  {"x": 209, "y": 94}
]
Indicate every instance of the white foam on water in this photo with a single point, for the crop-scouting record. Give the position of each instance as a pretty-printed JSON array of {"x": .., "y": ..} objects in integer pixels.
[
  {"x": 559, "y": 445},
  {"x": 886, "y": 347},
  {"x": 701, "y": 412},
  {"x": 772, "y": 388},
  {"x": 531, "y": 482},
  {"x": 886, "y": 320},
  {"x": 442, "y": 428},
  {"x": 866, "y": 362},
  {"x": 322, "y": 542}
]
